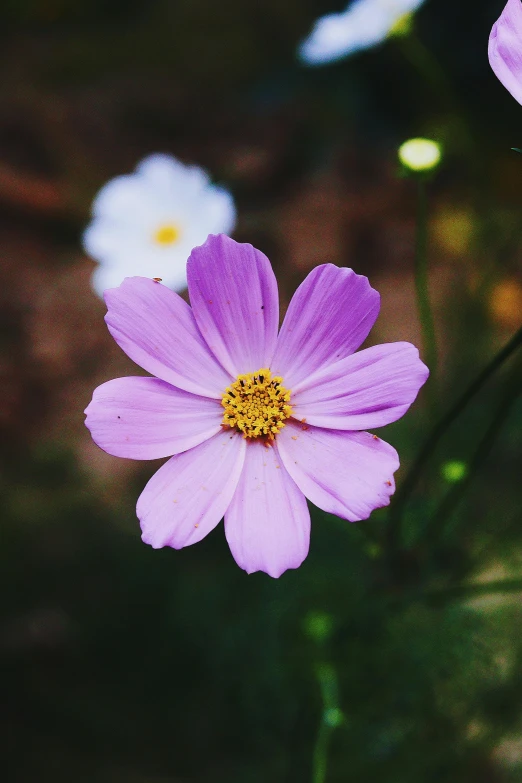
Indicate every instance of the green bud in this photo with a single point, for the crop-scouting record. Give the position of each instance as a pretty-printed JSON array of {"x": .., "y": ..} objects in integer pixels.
[
  {"x": 454, "y": 471},
  {"x": 333, "y": 717},
  {"x": 318, "y": 626}
]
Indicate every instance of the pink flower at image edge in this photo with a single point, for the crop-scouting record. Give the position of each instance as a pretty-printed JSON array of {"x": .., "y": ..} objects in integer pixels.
[
  {"x": 505, "y": 48},
  {"x": 258, "y": 484}
]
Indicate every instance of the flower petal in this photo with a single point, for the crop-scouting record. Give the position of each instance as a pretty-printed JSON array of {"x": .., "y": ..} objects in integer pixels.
[
  {"x": 126, "y": 199},
  {"x": 171, "y": 269},
  {"x": 368, "y": 389},
  {"x": 505, "y": 48},
  {"x": 233, "y": 292},
  {"x": 189, "y": 494},
  {"x": 335, "y": 36},
  {"x": 105, "y": 240},
  {"x": 267, "y": 524},
  {"x": 330, "y": 315},
  {"x": 145, "y": 418},
  {"x": 217, "y": 211},
  {"x": 107, "y": 276},
  {"x": 170, "y": 179},
  {"x": 363, "y": 24},
  {"x": 345, "y": 473},
  {"x": 157, "y": 330}
]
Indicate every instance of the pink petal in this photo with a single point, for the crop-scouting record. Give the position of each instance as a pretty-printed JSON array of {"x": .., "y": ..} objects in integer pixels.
[
  {"x": 233, "y": 292},
  {"x": 145, "y": 418},
  {"x": 505, "y": 48},
  {"x": 267, "y": 524},
  {"x": 345, "y": 473},
  {"x": 189, "y": 494},
  {"x": 157, "y": 330},
  {"x": 330, "y": 315},
  {"x": 370, "y": 388}
]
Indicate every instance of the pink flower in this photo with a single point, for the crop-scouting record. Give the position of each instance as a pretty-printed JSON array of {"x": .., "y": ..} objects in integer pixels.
[
  {"x": 256, "y": 421},
  {"x": 505, "y": 48}
]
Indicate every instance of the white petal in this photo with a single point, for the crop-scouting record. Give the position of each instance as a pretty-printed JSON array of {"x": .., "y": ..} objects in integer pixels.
[
  {"x": 129, "y": 210},
  {"x": 365, "y": 23},
  {"x": 170, "y": 177}
]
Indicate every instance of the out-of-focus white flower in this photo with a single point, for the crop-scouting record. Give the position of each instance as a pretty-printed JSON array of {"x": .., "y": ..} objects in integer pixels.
[
  {"x": 147, "y": 223},
  {"x": 365, "y": 23}
]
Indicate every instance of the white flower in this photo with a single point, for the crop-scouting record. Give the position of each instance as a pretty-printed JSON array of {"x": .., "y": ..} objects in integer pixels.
[
  {"x": 365, "y": 23},
  {"x": 148, "y": 222}
]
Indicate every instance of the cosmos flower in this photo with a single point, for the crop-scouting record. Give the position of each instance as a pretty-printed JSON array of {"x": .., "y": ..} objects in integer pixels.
[
  {"x": 505, "y": 48},
  {"x": 146, "y": 223},
  {"x": 256, "y": 420},
  {"x": 363, "y": 24}
]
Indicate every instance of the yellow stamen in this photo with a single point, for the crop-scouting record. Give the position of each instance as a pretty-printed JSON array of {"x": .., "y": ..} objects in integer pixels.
[
  {"x": 167, "y": 234},
  {"x": 257, "y": 405}
]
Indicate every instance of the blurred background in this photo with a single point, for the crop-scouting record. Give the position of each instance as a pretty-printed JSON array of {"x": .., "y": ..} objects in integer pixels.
[{"x": 395, "y": 660}]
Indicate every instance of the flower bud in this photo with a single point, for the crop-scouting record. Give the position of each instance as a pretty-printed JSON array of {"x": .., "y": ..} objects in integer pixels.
[{"x": 420, "y": 155}]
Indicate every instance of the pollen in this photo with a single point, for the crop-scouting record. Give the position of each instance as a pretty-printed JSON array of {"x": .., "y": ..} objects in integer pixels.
[
  {"x": 257, "y": 405},
  {"x": 167, "y": 234}
]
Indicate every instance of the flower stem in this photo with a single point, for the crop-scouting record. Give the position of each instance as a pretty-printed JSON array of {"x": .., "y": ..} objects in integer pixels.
[
  {"x": 330, "y": 719},
  {"x": 512, "y": 392},
  {"x": 421, "y": 286},
  {"x": 427, "y": 66},
  {"x": 430, "y": 70},
  {"x": 440, "y": 429},
  {"x": 320, "y": 762}
]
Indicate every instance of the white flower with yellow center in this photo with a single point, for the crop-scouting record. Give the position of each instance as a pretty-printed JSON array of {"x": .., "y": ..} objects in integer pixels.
[
  {"x": 363, "y": 24},
  {"x": 147, "y": 223}
]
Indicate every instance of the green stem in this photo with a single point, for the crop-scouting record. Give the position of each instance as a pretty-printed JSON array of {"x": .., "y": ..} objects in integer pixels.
[
  {"x": 512, "y": 392},
  {"x": 330, "y": 719},
  {"x": 320, "y": 761},
  {"x": 431, "y": 71},
  {"x": 440, "y": 429},
  {"x": 421, "y": 285}
]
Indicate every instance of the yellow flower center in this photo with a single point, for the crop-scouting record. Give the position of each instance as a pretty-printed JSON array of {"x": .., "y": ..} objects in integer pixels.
[
  {"x": 257, "y": 405},
  {"x": 167, "y": 234}
]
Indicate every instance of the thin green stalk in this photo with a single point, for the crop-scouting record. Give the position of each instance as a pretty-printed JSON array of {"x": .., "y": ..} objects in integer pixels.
[
  {"x": 331, "y": 718},
  {"x": 403, "y": 494},
  {"x": 421, "y": 286},
  {"x": 448, "y": 505},
  {"x": 427, "y": 66},
  {"x": 320, "y": 760},
  {"x": 431, "y": 71}
]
